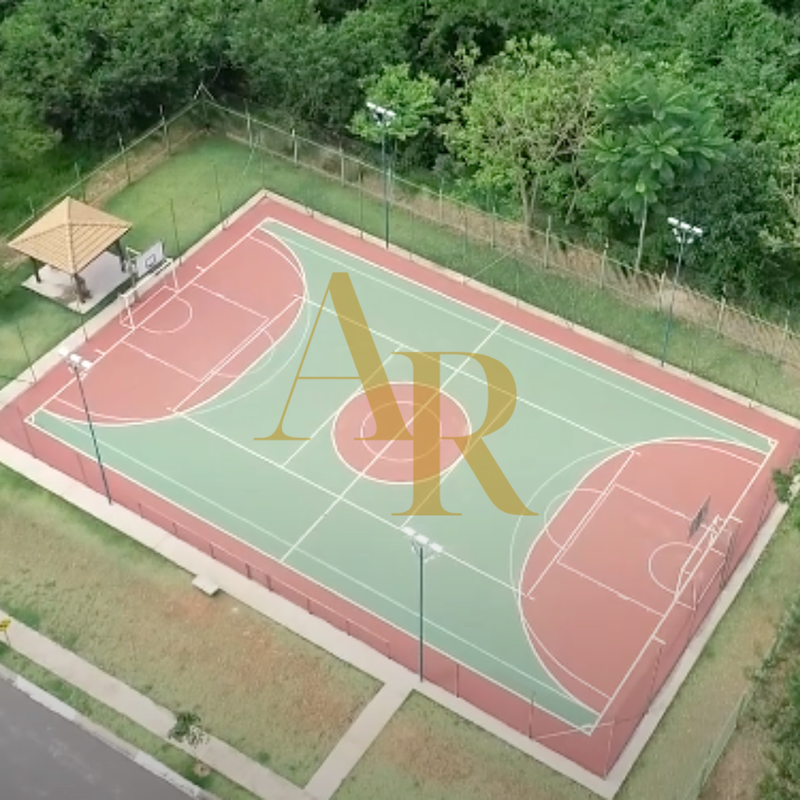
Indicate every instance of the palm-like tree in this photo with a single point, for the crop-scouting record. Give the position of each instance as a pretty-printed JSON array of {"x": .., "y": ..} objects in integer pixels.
[{"x": 654, "y": 134}]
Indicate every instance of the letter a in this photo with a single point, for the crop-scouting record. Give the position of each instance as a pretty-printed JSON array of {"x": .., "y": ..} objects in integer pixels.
[{"x": 389, "y": 422}]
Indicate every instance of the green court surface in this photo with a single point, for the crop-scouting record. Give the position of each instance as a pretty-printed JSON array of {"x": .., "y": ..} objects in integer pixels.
[{"x": 299, "y": 503}]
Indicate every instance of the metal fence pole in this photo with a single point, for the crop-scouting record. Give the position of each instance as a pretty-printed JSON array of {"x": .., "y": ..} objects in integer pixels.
[
  {"x": 785, "y": 336},
  {"x": 179, "y": 253},
  {"x": 547, "y": 243},
  {"x": 219, "y": 196},
  {"x": 25, "y": 350},
  {"x": 721, "y": 315},
  {"x": 124, "y": 154},
  {"x": 165, "y": 127},
  {"x": 81, "y": 184}
]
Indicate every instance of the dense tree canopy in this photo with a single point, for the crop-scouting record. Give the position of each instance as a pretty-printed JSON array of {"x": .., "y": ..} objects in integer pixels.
[{"x": 605, "y": 114}]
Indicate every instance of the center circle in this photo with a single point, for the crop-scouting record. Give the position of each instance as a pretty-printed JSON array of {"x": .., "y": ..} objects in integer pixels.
[{"x": 393, "y": 461}]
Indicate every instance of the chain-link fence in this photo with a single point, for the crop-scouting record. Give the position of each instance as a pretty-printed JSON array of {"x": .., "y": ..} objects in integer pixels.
[
  {"x": 708, "y": 337},
  {"x": 711, "y": 338}
]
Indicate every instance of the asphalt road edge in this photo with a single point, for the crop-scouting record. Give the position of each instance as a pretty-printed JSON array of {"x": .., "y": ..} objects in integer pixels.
[{"x": 139, "y": 757}]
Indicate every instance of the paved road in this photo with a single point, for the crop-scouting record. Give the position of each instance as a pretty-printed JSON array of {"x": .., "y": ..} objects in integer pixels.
[{"x": 45, "y": 757}]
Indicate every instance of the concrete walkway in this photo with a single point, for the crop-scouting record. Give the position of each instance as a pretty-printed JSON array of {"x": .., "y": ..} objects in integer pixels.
[
  {"x": 363, "y": 732},
  {"x": 216, "y": 754},
  {"x": 144, "y": 712}
]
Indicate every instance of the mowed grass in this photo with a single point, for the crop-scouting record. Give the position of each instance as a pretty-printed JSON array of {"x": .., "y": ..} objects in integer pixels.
[
  {"x": 128, "y": 731},
  {"x": 428, "y": 753},
  {"x": 30, "y": 325},
  {"x": 265, "y": 691}
]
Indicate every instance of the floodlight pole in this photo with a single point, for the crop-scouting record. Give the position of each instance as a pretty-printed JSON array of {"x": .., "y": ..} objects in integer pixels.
[
  {"x": 383, "y": 117},
  {"x": 78, "y": 367},
  {"x": 425, "y": 550},
  {"x": 685, "y": 234}
]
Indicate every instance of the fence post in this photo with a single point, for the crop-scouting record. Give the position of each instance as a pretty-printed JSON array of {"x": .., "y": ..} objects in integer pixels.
[
  {"x": 466, "y": 233},
  {"x": 219, "y": 196},
  {"x": 785, "y": 336},
  {"x": 294, "y": 146},
  {"x": 81, "y": 184},
  {"x": 167, "y": 143},
  {"x": 249, "y": 126},
  {"x": 603, "y": 260},
  {"x": 547, "y": 242},
  {"x": 175, "y": 228},
  {"x": 25, "y": 350},
  {"x": 124, "y": 154},
  {"x": 661, "y": 291},
  {"x": 361, "y": 202},
  {"x": 721, "y": 315}
]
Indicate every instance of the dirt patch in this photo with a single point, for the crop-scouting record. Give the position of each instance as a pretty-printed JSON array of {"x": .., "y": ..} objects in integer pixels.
[{"x": 255, "y": 685}]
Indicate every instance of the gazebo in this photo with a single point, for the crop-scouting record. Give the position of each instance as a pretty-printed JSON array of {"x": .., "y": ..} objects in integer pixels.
[{"x": 68, "y": 239}]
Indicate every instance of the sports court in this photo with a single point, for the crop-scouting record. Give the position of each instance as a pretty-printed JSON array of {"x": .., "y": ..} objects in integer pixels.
[{"x": 648, "y": 489}]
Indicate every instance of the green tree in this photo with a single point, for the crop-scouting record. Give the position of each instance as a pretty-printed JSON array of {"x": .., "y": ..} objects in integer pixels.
[
  {"x": 741, "y": 52},
  {"x": 656, "y": 132},
  {"x": 22, "y": 135},
  {"x": 310, "y": 70},
  {"x": 743, "y": 253},
  {"x": 95, "y": 68},
  {"x": 413, "y": 100},
  {"x": 525, "y": 113}
]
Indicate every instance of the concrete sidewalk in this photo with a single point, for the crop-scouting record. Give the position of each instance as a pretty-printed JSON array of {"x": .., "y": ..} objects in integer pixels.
[
  {"x": 216, "y": 754},
  {"x": 144, "y": 712}
]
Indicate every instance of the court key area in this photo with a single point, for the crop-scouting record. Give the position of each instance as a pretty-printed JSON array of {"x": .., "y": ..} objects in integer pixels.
[{"x": 647, "y": 489}]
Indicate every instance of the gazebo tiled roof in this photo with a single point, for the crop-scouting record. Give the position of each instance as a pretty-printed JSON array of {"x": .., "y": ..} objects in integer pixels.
[{"x": 70, "y": 236}]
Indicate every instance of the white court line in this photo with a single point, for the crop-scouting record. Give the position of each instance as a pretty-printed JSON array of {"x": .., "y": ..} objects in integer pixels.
[
  {"x": 519, "y": 399},
  {"x": 544, "y": 649},
  {"x": 610, "y": 589},
  {"x": 654, "y": 502},
  {"x": 551, "y": 689},
  {"x": 229, "y": 300},
  {"x": 674, "y": 602},
  {"x": 173, "y": 294},
  {"x": 263, "y": 328},
  {"x": 336, "y": 495},
  {"x": 329, "y": 420},
  {"x": 549, "y": 342},
  {"x": 380, "y": 453},
  {"x": 98, "y": 418},
  {"x": 149, "y": 355},
  {"x": 579, "y": 528}
]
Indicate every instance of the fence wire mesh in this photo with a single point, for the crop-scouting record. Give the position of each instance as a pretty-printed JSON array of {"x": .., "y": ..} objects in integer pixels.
[{"x": 710, "y": 337}]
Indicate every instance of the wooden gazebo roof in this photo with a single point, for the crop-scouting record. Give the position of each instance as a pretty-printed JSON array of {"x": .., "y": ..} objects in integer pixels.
[{"x": 70, "y": 236}]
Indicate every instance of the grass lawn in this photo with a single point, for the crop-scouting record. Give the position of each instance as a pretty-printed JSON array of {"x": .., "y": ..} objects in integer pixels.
[
  {"x": 178, "y": 761},
  {"x": 429, "y": 753},
  {"x": 260, "y": 688}
]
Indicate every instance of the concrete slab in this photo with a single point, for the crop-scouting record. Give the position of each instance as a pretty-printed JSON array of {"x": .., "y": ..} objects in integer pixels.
[{"x": 103, "y": 276}]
